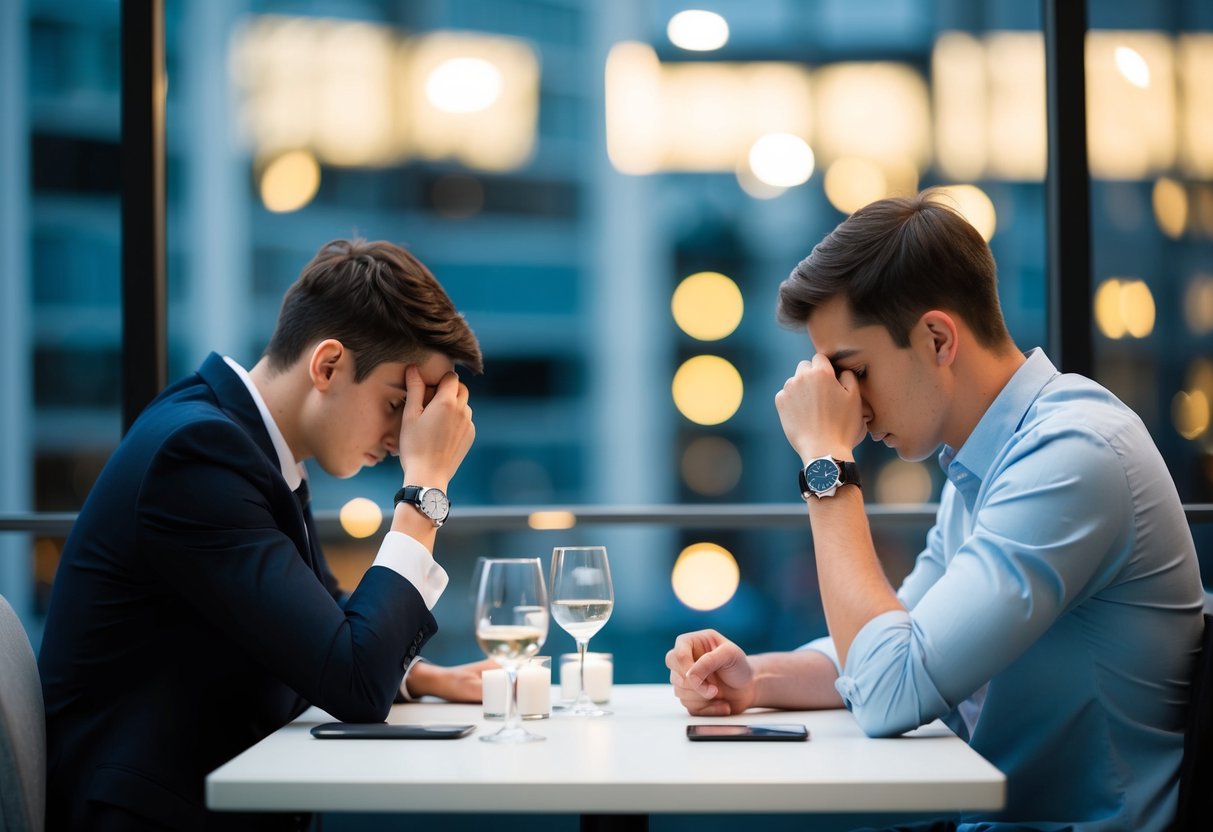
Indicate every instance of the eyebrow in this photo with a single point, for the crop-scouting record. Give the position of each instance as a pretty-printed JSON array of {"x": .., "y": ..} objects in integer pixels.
[{"x": 842, "y": 355}]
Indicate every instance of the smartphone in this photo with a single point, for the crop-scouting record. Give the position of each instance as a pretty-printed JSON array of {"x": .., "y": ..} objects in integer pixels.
[
  {"x": 771, "y": 732},
  {"x": 387, "y": 731}
]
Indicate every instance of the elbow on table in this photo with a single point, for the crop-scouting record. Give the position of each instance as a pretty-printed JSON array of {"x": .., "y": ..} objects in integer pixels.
[
  {"x": 365, "y": 704},
  {"x": 878, "y": 722}
]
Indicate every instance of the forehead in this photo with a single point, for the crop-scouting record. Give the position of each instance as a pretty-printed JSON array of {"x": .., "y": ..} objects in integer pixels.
[
  {"x": 831, "y": 328},
  {"x": 433, "y": 367}
]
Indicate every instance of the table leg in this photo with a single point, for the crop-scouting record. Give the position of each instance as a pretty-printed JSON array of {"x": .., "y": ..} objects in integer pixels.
[{"x": 614, "y": 823}]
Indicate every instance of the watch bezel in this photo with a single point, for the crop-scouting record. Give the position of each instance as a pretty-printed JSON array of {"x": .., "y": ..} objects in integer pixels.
[{"x": 415, "y": 496}]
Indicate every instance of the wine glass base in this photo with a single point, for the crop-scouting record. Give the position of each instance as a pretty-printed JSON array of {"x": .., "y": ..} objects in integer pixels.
[
  {"x": 571, "y": 710},
  {"x": 512, "y": 736}
]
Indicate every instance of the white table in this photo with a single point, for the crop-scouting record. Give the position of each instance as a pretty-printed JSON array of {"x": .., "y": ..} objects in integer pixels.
[{"x": 636, "y": 761}]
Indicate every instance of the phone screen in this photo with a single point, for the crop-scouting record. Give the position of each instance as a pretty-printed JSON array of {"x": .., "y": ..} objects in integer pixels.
[
  {"x": 386, "y": 731},
  {"x": 787, "y": 732}
]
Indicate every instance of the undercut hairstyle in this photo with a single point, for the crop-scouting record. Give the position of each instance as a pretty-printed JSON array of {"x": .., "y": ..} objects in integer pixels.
[
  {"x": 379, "y": 301},
  {"x": 895, "y": 259}
]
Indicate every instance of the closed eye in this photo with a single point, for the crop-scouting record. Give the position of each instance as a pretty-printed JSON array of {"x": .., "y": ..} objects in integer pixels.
[
  {"x": 396, "y": 405},
  {"x": 859, "y": 372}
]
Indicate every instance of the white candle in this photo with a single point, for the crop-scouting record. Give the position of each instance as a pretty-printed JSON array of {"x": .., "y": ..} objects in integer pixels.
[
  {"x": 598, "y": 673},
  {"x": 534, "y": 690},
  {"x": 492, "y": 692}
]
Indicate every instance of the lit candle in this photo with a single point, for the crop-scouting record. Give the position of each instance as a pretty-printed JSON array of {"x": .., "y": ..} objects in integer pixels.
[{"x": 598, "y": 673}]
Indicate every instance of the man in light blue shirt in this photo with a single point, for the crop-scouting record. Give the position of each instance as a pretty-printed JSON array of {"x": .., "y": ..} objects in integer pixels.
[{"x": 1053, "y": 617}]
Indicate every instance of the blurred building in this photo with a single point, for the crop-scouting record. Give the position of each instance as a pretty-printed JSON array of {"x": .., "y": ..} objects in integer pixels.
[{"x": 563, "y": 201}]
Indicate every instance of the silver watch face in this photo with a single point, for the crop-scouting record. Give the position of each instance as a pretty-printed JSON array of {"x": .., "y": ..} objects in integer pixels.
[{"x": 434, "y": 504}]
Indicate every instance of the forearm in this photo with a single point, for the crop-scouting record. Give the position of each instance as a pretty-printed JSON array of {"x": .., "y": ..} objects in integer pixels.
[
  {"x": 800, "y": 680},
  {"x": 854, "y": 589}
]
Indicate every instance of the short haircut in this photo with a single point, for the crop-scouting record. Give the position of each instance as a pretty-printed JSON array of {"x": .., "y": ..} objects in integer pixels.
[
  {"x": 895, "y": 259},
  {"x": 379, "y": 301}
]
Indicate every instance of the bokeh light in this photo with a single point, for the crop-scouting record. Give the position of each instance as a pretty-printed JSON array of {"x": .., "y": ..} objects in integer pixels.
[
  {"x": 782, "y": 160},
  {"x": 698, "y": 31},
  {"x": 1190, "y": 413},
  {"x": 1124, "y": 307},
  {"x": 361, "y": 517},
  {"x": 705, "y": 576},
  {"x": 973, "y": 204},
  {"x": 851, "y": 183},
  {"x": 551, "y": 520},
  {"x": 290, "y": 181},
  {"x": 463, "y": 85},
  {"x": 1170, "y": 207},
  {"x": 900, "y": 481},
  {"x": 707, "y": 389},
  {"x": 1132, "y": 66},
  {"x": 1198, "y": 304},
  {"x": 711, "y": 465},
  {"x": 707, "y": 306}
]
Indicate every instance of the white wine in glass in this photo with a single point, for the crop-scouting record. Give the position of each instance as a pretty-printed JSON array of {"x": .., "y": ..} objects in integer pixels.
[
  {"x": 511, "y": 626},
  {"x": 582, "y": 599}
]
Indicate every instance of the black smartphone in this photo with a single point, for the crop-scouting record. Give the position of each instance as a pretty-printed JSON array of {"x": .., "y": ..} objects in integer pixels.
[
  {"x": 387, "y": 731},
  {"x": 783, "y": 732}
]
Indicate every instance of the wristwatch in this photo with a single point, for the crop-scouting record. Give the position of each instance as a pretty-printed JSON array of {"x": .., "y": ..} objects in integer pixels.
[
  {"x": 822, "y": 476},
  {"x": 432, "y": 502}
]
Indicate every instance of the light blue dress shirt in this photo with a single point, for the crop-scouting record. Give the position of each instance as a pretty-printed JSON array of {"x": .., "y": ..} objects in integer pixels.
[{"x": 1053, "y": 617}]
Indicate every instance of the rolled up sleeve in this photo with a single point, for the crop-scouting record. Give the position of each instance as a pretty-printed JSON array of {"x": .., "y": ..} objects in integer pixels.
[{"x": 1040, "y": 542}]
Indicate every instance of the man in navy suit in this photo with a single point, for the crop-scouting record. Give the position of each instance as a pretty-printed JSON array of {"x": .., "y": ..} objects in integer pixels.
[{"x": 193, "y": 612}]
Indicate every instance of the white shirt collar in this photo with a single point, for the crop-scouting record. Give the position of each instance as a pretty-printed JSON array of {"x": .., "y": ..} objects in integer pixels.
[{"x": 293, "y": 472}]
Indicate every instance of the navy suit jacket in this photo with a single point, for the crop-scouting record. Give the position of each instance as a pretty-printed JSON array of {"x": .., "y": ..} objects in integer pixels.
[{"x": 193, "y": 613}]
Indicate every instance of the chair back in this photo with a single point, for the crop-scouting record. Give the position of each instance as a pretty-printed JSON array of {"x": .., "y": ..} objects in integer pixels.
[
  {"x": 1196, "y": 771},
  {"x": 22, "y": 730}
]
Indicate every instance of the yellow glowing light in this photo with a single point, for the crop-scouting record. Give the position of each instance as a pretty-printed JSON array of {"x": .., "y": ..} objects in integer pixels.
[
  {"x": 782, "y": 160},
  {"x": 1132, "y": 66},
  {"x": 360, "y": 517},
  {"x": 705, "y": 576},
  {"x": 1170, "y": 207},
  {"x": 698, "y": 116},
  {"x": 972, "y": 204},
  {"x": 707, "y": 390},
  {"x": 958, "y": 79},
  {"x": 707, "y": 306},
  {"x": 711, "y": 465},
  {"x": 469, "y": 97},
  {"x": 1190, "y": 413},
  {"x": 463, "y": 85},
  {"x": 900, "y": 481},
  {"x": 1137, "y": 308},
  {"x": 878, "y": 111},
  {"x": 1124, "y": 307},
  {"x": 1131, "y": 125},
  {"x": 1194, "y": 56},
  {"x": 290, "y": 181},
  {"x": 551, "y": 520},
  {"x": 1200, "y": 377},
  {"x": 1107, "y": 309},
  {"x": 851, "y": 183},
  {"x": 698, "y": 31},
  {"x": 1198, "y": 306}
]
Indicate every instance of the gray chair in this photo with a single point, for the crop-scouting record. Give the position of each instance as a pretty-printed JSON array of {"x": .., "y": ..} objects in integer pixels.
[{"x": 22, "y": 730}]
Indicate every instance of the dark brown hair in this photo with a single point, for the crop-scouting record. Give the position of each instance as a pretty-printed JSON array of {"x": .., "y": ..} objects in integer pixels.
[
  {"x": 379, "y": 301},
  {"x": 895, "y": 259}
]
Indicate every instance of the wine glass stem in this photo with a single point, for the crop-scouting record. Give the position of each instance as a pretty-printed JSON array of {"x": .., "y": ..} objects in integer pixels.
[
  {"x": 583, "y": 696},
  {"x": 512, "y": 720}
]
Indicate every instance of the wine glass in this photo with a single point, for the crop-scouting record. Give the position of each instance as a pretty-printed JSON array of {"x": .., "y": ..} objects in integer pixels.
[
  {"x": 511, "y": 626},
  {"x": 582, "y": 598}
]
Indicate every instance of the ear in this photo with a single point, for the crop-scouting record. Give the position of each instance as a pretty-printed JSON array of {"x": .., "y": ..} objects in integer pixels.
[
  {"x": 941, "y": 328},
  {"x": 327, "y": 356}
]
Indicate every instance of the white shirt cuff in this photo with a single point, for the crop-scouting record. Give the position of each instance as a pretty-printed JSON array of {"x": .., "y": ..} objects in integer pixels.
[
  {"x": 404, "y": 687},
  {"x": 413, "y": 562}
]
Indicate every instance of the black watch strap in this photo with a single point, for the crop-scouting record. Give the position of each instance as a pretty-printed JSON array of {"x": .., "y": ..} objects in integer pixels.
[{"x": 408, "y": 494}]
